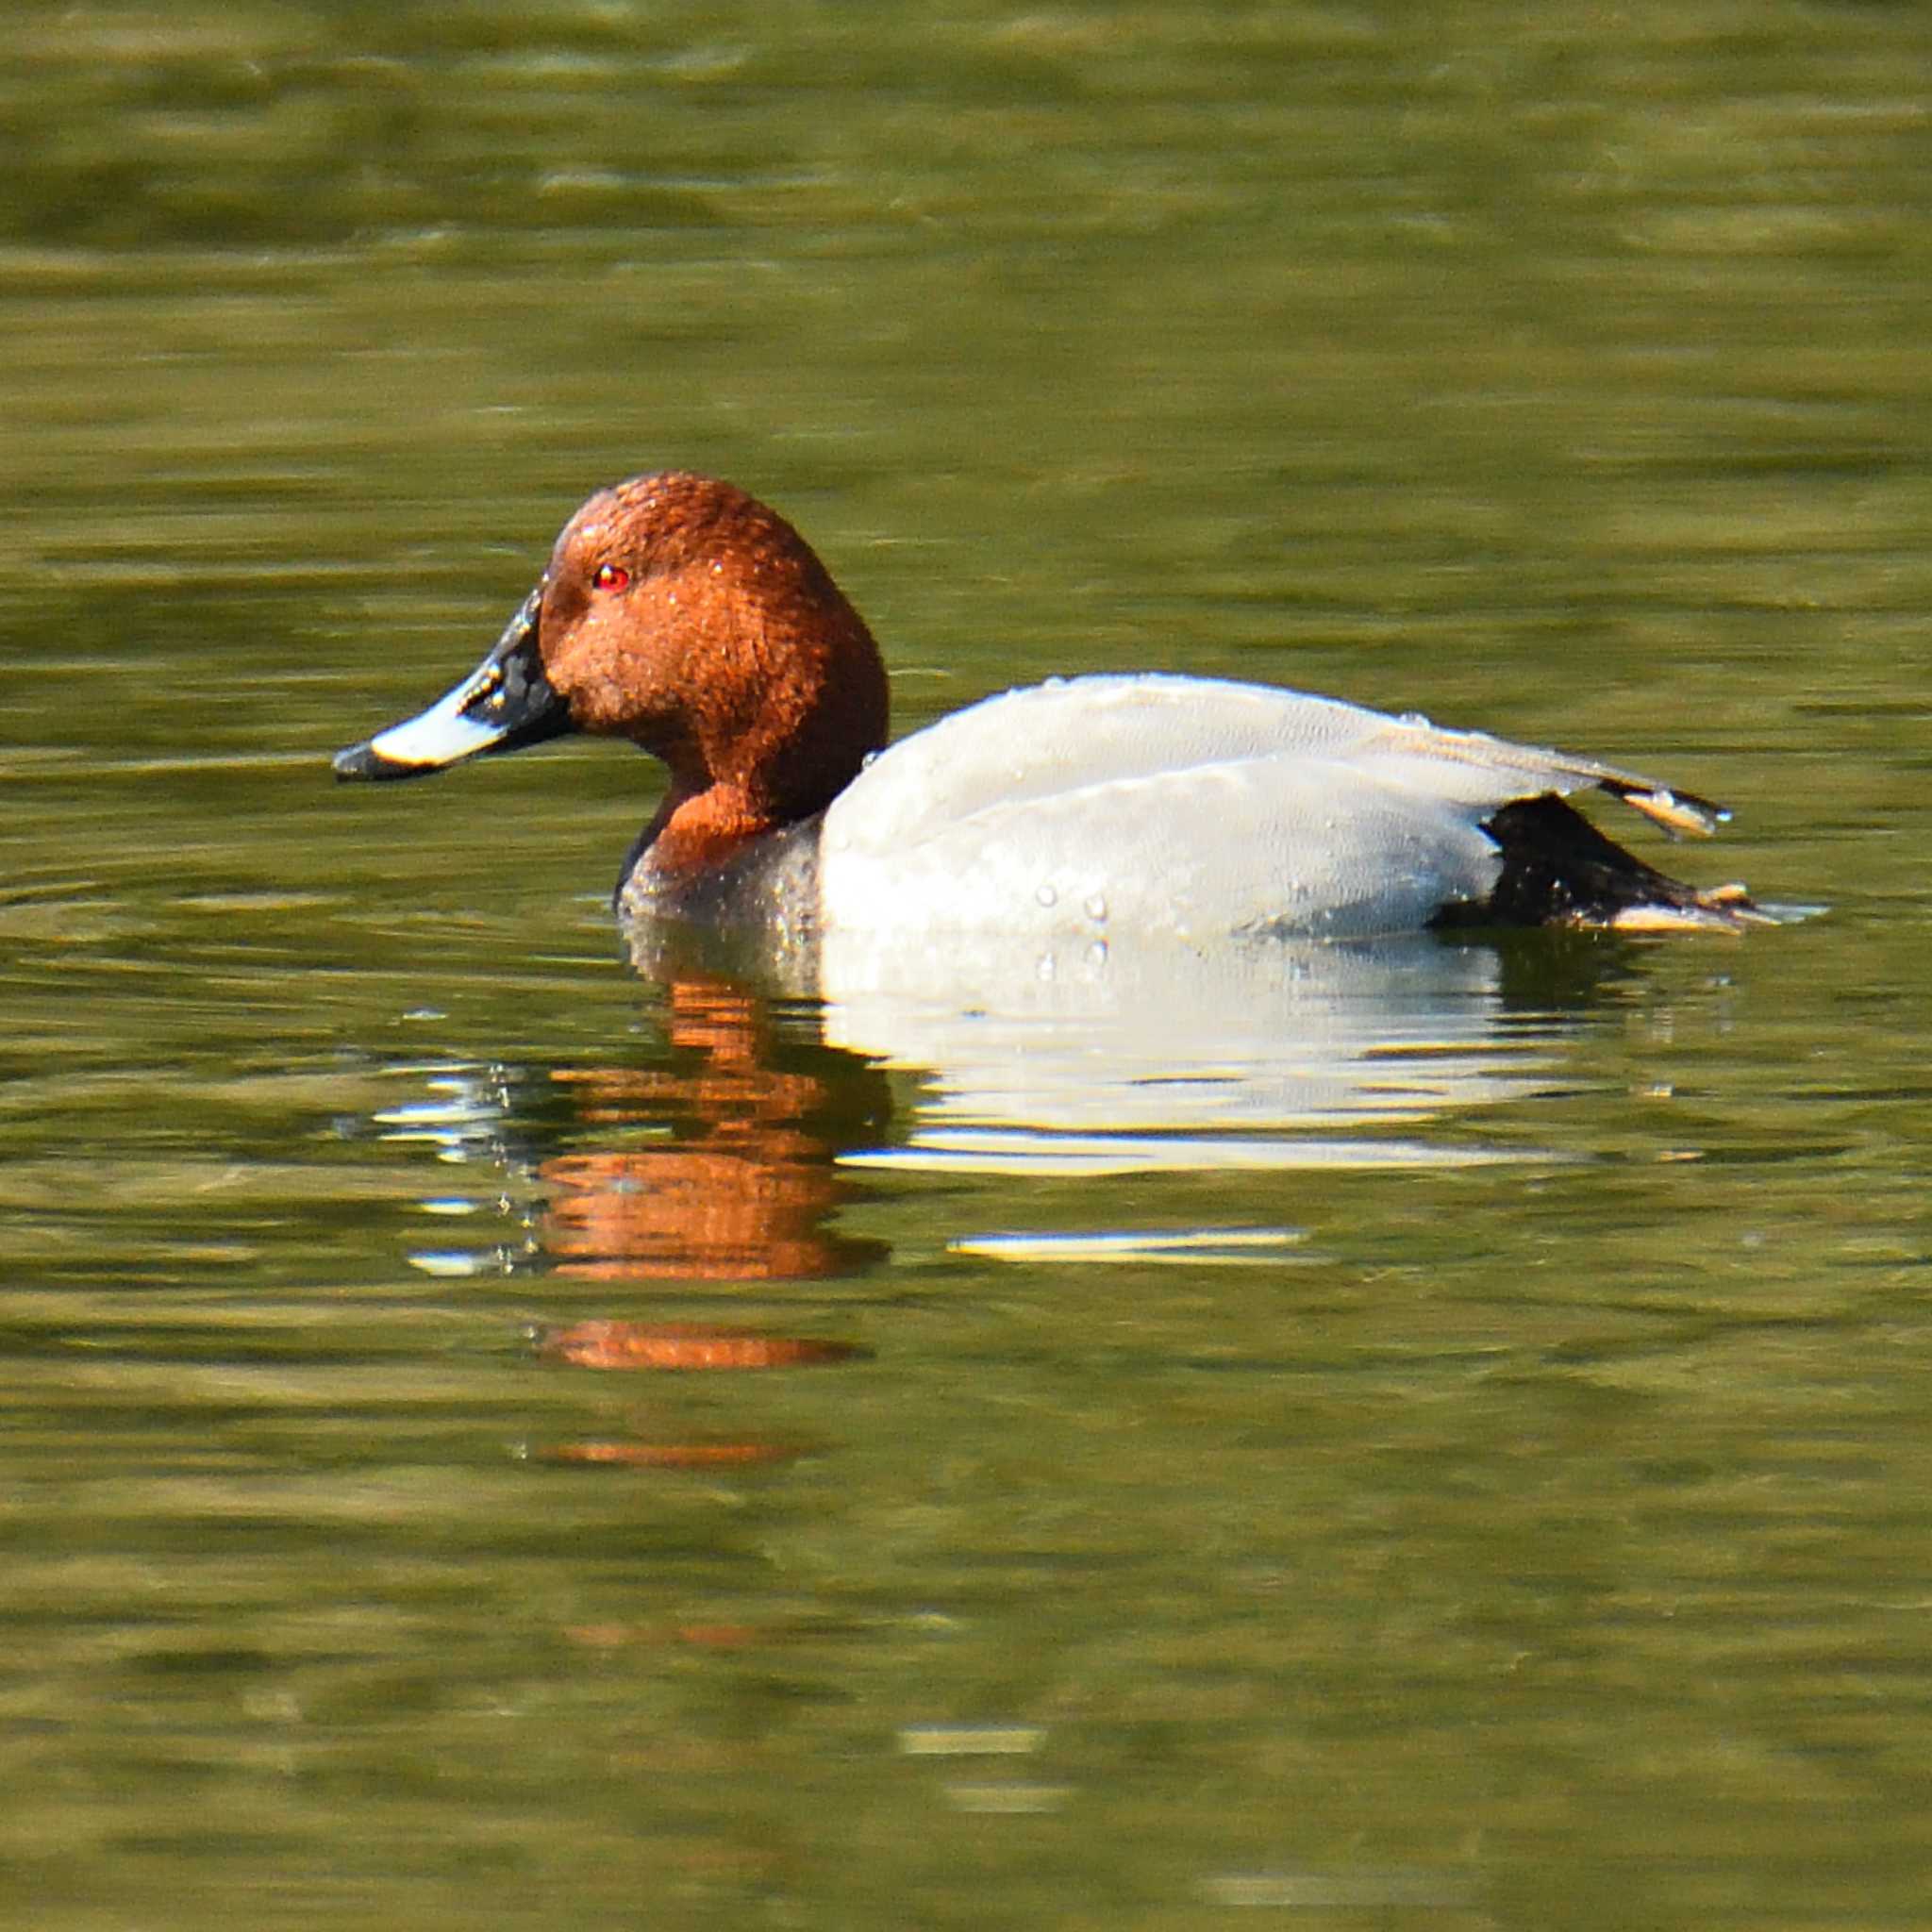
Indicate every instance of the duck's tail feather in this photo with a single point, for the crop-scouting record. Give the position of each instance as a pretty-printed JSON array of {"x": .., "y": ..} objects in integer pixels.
[
  {"x": 1677, "y": 812},
  {"x": 1560, "y": 870}
]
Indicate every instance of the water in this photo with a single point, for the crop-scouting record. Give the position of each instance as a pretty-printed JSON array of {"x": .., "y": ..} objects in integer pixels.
[{"x": 1435, "y": 1436}]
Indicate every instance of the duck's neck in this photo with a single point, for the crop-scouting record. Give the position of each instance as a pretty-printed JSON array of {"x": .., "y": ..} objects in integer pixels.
[
  {"x": 697, "y": 832},
  {"x": 699, "y": 860},
  {"x": 707, "y": 823},
  {"x": 771, "y": 746}
]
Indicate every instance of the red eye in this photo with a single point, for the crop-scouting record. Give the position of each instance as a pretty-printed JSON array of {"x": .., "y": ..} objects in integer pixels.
[{"x": 610, "y": 576}]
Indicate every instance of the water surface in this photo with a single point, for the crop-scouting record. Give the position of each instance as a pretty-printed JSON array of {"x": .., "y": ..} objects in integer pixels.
[{"x": 497, "y": 1438}]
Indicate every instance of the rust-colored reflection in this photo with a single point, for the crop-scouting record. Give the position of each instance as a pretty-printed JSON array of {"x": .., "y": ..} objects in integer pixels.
[
  {"x": 741, "y": 1187},
  {"x": 743, "y": 1191},
  {"x": 702, "y": 1636},
  {"x": 685, "y": 1346},
  {"x": 699, "y": 1456}
]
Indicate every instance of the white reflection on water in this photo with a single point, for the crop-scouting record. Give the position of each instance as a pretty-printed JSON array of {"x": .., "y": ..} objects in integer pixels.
[
  {"x": 1196, "y": 1247},
  {"x": 1343, "y": 1890},
  {"x": 1124, "y": 1058}
]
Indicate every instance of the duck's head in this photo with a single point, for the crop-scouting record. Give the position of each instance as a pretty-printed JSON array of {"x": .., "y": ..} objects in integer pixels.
[{"x": 682, "y": 614}]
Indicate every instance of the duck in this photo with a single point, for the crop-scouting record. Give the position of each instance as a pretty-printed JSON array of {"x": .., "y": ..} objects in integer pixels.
[{"x": 680, "y": 613}]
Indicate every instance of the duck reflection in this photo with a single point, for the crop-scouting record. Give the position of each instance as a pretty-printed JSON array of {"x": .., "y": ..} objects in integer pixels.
[
  {"x": 729, "y": 1163},
  {"x": 743, "y": 1184},
  {"x": 717, "y": 1167},
  {"x": 724, "y": 1164},
  {"x": 741, "y": 1188},
  {"x": 1114, "y": 1057}
]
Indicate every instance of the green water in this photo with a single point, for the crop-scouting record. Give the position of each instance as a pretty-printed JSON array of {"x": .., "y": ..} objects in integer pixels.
[{"x": 1448, "y": 1448}]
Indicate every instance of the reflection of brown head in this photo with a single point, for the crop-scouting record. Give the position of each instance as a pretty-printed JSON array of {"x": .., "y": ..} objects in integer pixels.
[
  {"x": 688, "y": 1347},
  {"x": 738, "y": 1194}
]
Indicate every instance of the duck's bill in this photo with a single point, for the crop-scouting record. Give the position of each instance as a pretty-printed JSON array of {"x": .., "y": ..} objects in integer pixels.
[{"x": 505, "y": 703}]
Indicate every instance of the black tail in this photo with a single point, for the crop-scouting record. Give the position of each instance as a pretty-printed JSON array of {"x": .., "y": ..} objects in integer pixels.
[{"x": 1560, "y": 870}]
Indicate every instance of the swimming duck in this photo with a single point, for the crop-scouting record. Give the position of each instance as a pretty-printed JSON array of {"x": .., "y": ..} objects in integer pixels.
[{"x": 681, "y": 613}]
